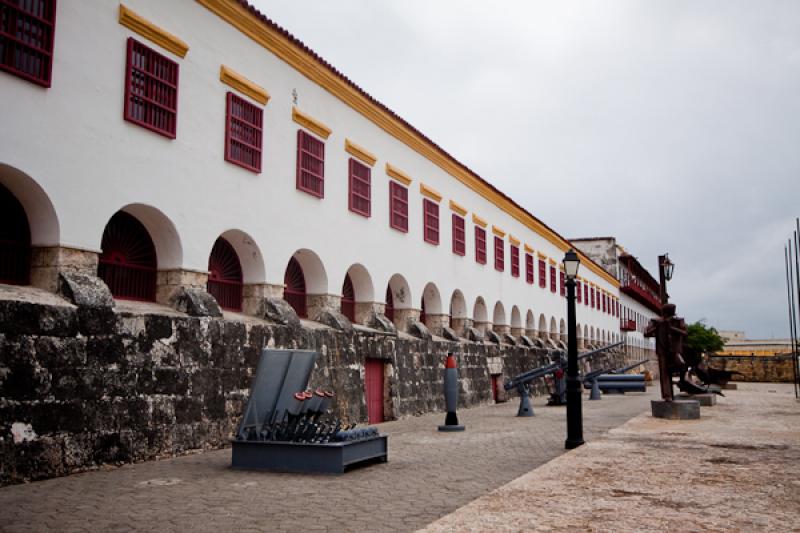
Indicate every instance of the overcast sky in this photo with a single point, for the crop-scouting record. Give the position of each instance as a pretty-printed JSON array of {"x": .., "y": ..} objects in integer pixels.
[{"x": 673, "y": 126}]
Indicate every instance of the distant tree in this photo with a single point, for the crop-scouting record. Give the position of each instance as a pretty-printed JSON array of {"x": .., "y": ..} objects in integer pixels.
[{"x": 702, "y": 338}]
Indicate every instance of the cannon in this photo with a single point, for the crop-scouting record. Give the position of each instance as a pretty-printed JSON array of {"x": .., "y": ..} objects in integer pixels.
[
  {"x": 287, "y": 427},
  {"x": 614, "y": 381},
  {"x": 522, "y": 381}
]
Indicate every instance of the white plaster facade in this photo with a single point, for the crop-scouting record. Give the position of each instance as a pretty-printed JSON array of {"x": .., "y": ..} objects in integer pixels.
[{"x": 69, "y": 157}]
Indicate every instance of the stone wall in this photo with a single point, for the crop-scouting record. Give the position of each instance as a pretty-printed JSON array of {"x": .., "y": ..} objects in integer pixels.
[
  {"x": 756, "y": 368},
  {"x": 84, "y": 386}
]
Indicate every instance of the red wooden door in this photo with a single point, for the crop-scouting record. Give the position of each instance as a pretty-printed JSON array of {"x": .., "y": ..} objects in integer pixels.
[
  {"x": 495, "y": 388},
  {"x": 373, "y": 387}
]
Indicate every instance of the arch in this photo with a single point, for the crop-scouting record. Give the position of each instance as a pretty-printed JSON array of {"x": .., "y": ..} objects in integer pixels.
[
  {"x": 316, "y": 279},
  {"x": 294, "y": 291},
  {"x": 225, "y": 275},
  {"x": 348, "y": 303},
  {"x": 586, "y": 333},
  {"x": 400, "y": 292},
  {"x": 458, "y": 307},
  {"x": 499, "y": 314},
  {"x": 388, "y": 310},
  {"x": 562, "y": 329},
  {"x": 530, "y": 321},
  {"x": 169, "y": 251},
  {"x": 591, "y": 334},
  {"x": 479, "y": 312},
  {"x": 15, "y": 240},
  {"x": 553, "y": 328},
  {"x": 542, "y": 326},
  {"x": 249, "y": 253},
  {"x": 516, "y": 318},
  {"x": 431, "y": 299},
  {"x": 43, "y": 223},
  {"x": 363, "y": 288},
  {"x": 129, "y": 259}
]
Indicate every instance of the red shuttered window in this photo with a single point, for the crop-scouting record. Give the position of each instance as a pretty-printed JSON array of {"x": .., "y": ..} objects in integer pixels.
[
  {"x": 243, "y": 133},
  {"x": 515, "y": 261},
  {"x": 459, "y": 235},
  {"x": 480, "y": 245},
  {"x": 552, "y": 278},
  {"x": 430, "y": 221},
  {"x": 542, "y": 274},
  {"x": 310, "y": 164},
  {"x": 360, "y": 184},
  {"x": 585, "y": 294},
  {"x": 151, "y": 89},
  {"x": 578, "y": 290},
  {"x": 593, "y": 299},
  {"x": 529, "y": 268},
  {"x": 499, "y": 254},
  {"x": 27, "y": 28},
  {"x": 398, "y": 207},
  {"x": 562, "y": 284}
]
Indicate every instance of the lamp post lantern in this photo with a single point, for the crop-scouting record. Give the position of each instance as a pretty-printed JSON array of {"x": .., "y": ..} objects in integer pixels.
[
  {"x": 665, "y": 269},
  {"x": 574, "y": 412}
]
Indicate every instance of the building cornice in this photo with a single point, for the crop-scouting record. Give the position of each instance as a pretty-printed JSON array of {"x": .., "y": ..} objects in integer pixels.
[
  {"x": 397, "y": 174},
  {"x": 458, "y": 208},
  {"x": 359, "y": 152},
  {"x": 236, "y": 81},
  {"x": 138, "y": 24},
  {"x": 311, "y": 123}
]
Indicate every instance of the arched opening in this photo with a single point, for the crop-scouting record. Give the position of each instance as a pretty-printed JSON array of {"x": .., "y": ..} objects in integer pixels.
[
  {"x": 530, "y": 322},
  {"x": 516, "y": 318},
  {"x": 128, "y": 262},
  {"x": 225, "y": 276},
  {"x": 398, "y": 299},
  {"x": 294, "y": 291},
  {"x": 41, "y": 215},
  {"x": 499, "y": 315},
  {"x": 389, "y": 309},
  {"x": 431, "y": 304},
  {"x": 562, "y": 330},
  {"x": 15, "y": 240},
  {"x": 423, "y": 316},
  {"x": 585, "y": 333},
  {"x": 480, "y": 315},
  {"x": 458, "y": 310},
  {"x": 249, "y": 255},
  {"x": 553, "y": 329},
  {"x": 348, "y": 299},
  {"x": 542, "y": 326}
]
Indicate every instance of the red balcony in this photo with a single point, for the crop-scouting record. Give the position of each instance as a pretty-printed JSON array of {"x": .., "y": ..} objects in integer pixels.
[
  {"x": 627, "y": 325},
  {"x": 641, "y": 295}
]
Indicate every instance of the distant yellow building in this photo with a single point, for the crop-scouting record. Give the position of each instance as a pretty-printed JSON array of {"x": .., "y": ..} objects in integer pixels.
[{"x": 736, "y": 343}]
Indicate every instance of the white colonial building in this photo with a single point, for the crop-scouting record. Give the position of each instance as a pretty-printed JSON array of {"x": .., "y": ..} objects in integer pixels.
[{"x": 196, "y": 144}]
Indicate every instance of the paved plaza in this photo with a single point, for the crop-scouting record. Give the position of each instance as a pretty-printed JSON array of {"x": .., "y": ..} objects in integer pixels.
[{"x": 429, "y": 474}]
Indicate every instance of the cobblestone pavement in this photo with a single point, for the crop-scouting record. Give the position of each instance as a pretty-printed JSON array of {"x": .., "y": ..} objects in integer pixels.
[
  {"x": 429, "y": 474},
  {"x": 737, "y": 468}
]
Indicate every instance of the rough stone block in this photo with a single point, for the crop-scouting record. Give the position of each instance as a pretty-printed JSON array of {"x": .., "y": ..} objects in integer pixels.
[
  {"x": 676, "y": 410},
  {"x": 491, "y": 336},
  {"x": 85, "y": 290},
  {"x": 509, "y": 339},
  {"x": 420, "y": 330},
  {"x": 381, "y": 323},
  {"x": 279, "y": 311},
  {"x": 706, "y": 400},
  {"x": 474, "y": 334},
  {"x": 449, "y": 334},
  {"x": 335, "y": 320},
  {"x": 526, "y": 341},
  {"x": 195, "y": 302}
]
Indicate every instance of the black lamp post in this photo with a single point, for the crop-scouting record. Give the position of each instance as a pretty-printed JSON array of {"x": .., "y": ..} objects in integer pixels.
[
  {"x": 665, "y": 269},
  {"x": 574, "y": 413}
]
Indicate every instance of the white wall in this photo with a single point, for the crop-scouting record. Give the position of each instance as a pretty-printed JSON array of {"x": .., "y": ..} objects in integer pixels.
[{"x": 72, "y": 141}]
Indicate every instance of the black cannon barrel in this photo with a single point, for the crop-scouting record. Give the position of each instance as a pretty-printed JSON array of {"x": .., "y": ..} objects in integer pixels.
[
  {"x": 620, "y": 377},
  {"x": 629, "y": 367}
]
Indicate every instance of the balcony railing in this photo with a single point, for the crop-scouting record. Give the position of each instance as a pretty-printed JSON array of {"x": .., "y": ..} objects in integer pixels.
[{"x": 627, "y": 325}]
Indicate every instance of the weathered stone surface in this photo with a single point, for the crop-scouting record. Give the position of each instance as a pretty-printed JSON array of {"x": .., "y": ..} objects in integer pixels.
[
  {"x": 449, "y": 334},
  {"x": 335, "y": 320},
  {"x": 676, "y": 410},
  {"x": 381, "y": 323},
  {"x": 756, "y": 368},
  {"x": 525, "y": 340},
  {"x": 85, "y": 290},
  {"x": 419, "y": 330},
  {"x": 508, "y": 338},
  {"x": 474, "y": 334},
  {"x": 196, "y": 302},
  {"x": 491, "y": 336},
  {"x": 279, "y": 311}
]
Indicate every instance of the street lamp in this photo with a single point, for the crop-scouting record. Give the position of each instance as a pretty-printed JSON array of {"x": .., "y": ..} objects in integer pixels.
[
  {"x": 665, "y": 269},
  {"x": 574, "y": 414}
]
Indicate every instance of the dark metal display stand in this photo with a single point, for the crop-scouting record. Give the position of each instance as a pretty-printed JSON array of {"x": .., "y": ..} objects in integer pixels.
[{"x": 284, "y": 431}]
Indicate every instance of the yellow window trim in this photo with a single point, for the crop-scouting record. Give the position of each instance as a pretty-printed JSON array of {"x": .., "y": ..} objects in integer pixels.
[
  {"x": 528, "y": 249},
  {"x": 312, "y": 68},
  {"x": 433, "y": 194},
  {"x": 310, "y": 123},
  {"x": 397, "y": 174},
  {"x": 359, "y": 152},
  {"x": 138, "y": 24},
  {"x": 458, "y": 209},
  {"x": 497, "y": 231},
  {"x": 513, "y": 240},
  {"x": 540, "y": 255},
  {"x": 552, "y": 261},
  {"x": 236, "y": 81},
  {"x": 479, "y": 221}
]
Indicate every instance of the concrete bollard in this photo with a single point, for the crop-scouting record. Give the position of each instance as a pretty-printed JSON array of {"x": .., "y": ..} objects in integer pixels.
[{"x": 451, "y": 395}]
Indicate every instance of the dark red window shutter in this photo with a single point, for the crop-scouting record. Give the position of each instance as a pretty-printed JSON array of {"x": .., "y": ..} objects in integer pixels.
[
  {"x": 499, "y": 254},
  {"x": 515, "y": 261},
  {"x": 542, "y": 274},
  {"x": 480, "y": 245},
  {"x": 552, "y": 278},
  {"x": 585, "y": 294},
  {"x": 360, "y": 184},
  {"x": 310, "y": 164},
  {"x": 27, "y": 30},
  {"x": 151, "y": 89},
  {"x": 593, "y": 299},
  {"x": 529, "y": 268},
  {"x": 225, "y": 276},
  {"x": 398, "y": 207},
  {"x": 578, "y": 290},
  {"x": 459, "y": 235},
  {"x": 430, "y": 219},
  {"x": 562, "y": 283},
  {"x": 243, "y": 133},
  {"x": 128, "y": 263}
]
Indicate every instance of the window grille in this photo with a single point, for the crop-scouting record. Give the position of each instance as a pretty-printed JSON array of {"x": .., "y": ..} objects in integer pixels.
[
  {"x": 360, "y": 183},
  {"x": 552, "y": 278},
  {"x": 499, "y": 254},
  {"x": 151, "y": 89},
  {"x": 515, "y": 261},
  {"x": 529, "y": 268},
  {"x": 398, "y": 207},
  {"x": 431, "y": 221},
  {"x": 243, "y": 133},
  {"x": 294, "y": 291},
  {"x": 310, "y": 164},
  {"x": 562, "y": 284},
  {"x": 480, "y": 245},
  {"x": 225, "y": 276},
  {"x": 542, "y": 274},
  {"x": 27, "y": 28},
  {"x": 128, "y": 259},
  {"x": 459, "y": 235}
]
